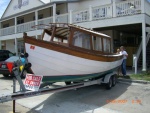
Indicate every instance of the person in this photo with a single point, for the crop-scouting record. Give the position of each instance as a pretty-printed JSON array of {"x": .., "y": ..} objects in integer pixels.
[
  {"x": 123, "y": 65},
  {"x": 118, "y": 51},
  {"x": 119, "y": 68}
]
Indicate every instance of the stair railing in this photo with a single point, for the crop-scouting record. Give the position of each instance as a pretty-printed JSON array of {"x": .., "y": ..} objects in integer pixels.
[{"x": 136, "y": 56}]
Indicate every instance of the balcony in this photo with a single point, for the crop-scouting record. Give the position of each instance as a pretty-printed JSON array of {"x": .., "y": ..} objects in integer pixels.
[{"x": 93, "y": 13}]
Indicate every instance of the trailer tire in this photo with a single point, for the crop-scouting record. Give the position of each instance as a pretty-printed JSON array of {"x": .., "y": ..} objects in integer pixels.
[
  {"x": 114, "y": 80},
  {"x": 109, "y": 84}
]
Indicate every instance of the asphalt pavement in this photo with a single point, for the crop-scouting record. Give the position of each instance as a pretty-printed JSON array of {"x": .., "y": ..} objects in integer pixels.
[{"x": 123, "y": 98}]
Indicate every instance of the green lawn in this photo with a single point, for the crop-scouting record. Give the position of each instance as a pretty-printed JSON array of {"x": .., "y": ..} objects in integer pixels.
[{"x": 142, "y": 76}]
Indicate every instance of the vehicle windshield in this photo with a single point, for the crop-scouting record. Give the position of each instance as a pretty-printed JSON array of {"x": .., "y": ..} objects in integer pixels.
[{"x": 12, "y": 59}]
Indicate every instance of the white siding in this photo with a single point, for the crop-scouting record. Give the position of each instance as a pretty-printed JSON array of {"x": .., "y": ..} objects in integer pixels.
[
  {"x": 11, "y": 10},
  {"x": 10, "y": 45}
]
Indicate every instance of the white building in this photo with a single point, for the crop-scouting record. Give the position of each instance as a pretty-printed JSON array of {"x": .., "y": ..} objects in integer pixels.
[{"x": 126, "y": 21}]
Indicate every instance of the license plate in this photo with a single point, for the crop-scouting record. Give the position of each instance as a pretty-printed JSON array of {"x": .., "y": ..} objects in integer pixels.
[{"x": 3, "y": 66}]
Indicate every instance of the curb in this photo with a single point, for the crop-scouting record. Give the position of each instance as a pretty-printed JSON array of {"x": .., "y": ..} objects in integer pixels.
[{"x": 134, "y": 81}]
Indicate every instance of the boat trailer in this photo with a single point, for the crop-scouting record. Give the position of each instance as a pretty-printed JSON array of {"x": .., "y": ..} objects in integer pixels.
[{"x": 108, "y": 79}]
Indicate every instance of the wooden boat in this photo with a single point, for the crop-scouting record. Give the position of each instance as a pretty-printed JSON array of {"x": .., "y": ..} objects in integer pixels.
[{"x": 67, "y": 52}]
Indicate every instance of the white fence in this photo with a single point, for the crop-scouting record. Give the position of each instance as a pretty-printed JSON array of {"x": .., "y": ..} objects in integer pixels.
[
  {"x": 147, "y": 8},
  {"x": 46, "y": 21},
  {"x": 80, "y": 16},
  {"x": 129, "y": 7},
  {"x": 63, "y": 18},
  {"x": 25, "y": 27},
  {"x": 101, "y": 12},
  {"x": 7, "y": 31}
]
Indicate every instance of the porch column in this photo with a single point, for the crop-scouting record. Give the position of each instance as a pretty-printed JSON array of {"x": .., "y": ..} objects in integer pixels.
[
  {"x": 16, "y": 47},
  {"x": 15, "y": 25},
  {"x": 0, "y": 44},
  {"x": 0, "y": 29},
  {"x": 143, "y": 6},
  {"x": 54, "y": 13},
  {"x": 36, "y": 22},
  {"x": 70, "y": 17},
  {"x": 90, "y": 13},
  {"x": 114, "y": 8},
  {"x": 144, "y": 45}
]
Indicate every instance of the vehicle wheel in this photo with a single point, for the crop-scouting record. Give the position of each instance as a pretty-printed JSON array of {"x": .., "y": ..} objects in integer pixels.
[
  {"x": 114, "y": 80},
  {"x": 6, "y": 75},
  {"x": 109, "y": 84},
  {"x": 68, "y": 82}
]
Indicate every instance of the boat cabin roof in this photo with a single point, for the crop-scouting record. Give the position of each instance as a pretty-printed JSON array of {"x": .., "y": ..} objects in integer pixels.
[{"x": 62, "y": 30}]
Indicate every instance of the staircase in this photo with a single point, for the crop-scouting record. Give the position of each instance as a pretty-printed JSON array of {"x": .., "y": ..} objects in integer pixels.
[{"x": 147, "y": 54}]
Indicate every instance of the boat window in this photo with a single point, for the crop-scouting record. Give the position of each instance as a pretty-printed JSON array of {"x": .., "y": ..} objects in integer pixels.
[
  {"x": 81, "y": 39},
  {"x": 97, "y": 43},
  {"x": 106, "y": 43},
  {"x": 46, "y": 37}
]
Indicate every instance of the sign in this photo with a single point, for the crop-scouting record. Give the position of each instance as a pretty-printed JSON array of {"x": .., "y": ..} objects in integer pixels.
[
  {"x": 32, "y": 82},
  {"x": 21, "y": 3},
  {"x": 32, "y": 47}
]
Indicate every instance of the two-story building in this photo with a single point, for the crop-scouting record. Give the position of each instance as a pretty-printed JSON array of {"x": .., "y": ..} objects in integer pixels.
[{"x": 126, "y": 21}]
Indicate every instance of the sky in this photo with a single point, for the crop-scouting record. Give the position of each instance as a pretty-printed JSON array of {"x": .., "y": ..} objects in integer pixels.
[{"x": 4, "y": 3}]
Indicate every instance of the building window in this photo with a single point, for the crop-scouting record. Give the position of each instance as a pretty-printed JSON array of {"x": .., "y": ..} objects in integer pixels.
[
  {"x": 40, "y": 16},
  {"x": 20, "y": 20},
  {"x": 5, "y": 25},
  {"x": 33, "y": 17}
]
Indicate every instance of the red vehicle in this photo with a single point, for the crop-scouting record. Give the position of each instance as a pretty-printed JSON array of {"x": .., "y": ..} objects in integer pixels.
[{"x": 6, "y": 65}]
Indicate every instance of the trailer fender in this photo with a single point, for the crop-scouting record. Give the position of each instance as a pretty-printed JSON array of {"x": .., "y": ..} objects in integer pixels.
[{"x": 107, "y": 77}]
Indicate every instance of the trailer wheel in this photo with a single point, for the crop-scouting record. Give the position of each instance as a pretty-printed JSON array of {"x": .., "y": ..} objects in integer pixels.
[
  {"x": 114, "y": 80},
  {"x": 109, "y": 84},
  {"x": 68, "y": 82}
]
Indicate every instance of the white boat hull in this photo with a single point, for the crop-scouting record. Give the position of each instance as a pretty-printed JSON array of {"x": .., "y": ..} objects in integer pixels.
[{"x": 47, "y": 62}]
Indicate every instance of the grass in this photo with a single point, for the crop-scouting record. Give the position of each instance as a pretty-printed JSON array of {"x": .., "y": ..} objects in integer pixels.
[{"x": 142, "y": 76}]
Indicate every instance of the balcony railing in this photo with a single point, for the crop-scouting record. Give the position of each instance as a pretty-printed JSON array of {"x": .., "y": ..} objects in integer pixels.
[
  {"x": 80, "y": 16},
  {"x": 45, "y": 20},
  {"x": 147, "y": 8},
  {"x": 25, "y": 27},
  {"x": 101, "y": 12},
  {"x": 7, "y": 31},
  {"x": 130, "y": 7},
  {"x": 63, "y": 18},
  {"x": 125, "y": 8}
]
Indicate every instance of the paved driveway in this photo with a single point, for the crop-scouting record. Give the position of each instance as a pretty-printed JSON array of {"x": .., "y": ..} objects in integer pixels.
[{"x": 123, "y": 98}]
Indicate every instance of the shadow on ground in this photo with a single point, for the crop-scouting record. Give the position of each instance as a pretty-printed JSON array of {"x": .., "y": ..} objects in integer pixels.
[{"x": 84, "y": 100}]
